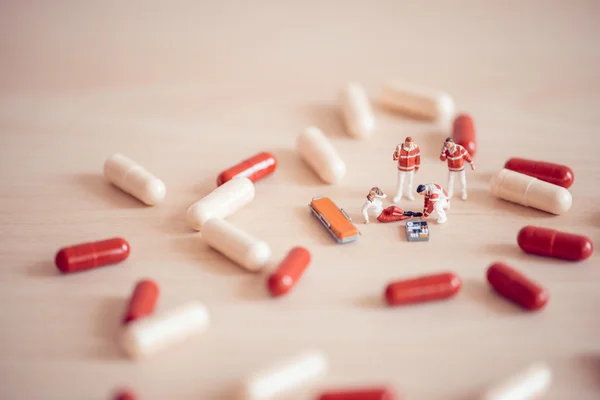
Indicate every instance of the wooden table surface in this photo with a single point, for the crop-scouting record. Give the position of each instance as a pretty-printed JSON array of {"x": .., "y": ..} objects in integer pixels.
[{"x": 188, "y": 89}]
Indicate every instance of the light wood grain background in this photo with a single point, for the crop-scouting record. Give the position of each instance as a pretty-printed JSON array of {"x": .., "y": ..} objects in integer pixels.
[{"x": 190, "y": 88}]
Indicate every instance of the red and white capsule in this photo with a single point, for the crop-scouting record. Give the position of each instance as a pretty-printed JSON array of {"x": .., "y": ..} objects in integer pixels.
[
  {"x": 142, "y": 302},
  {"x": 463, "y": 133},
  {"x": 254, "y": 168},
  {"x": 289, "y": 271},
  {"x": 516, "y": 287},
  {"x": 359, "y": 394},
  {"x": 552, "y": 243},
  {"x": 91, "y": 255},
  {"x": 425, "y": 288},
  {"x": 555, "y": 174}
]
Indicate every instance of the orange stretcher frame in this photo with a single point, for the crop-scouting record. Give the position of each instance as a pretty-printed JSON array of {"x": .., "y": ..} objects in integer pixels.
[{"x": 335, "y": 219}]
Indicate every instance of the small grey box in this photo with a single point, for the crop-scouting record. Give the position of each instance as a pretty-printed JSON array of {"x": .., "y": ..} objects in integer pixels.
[{"x": 417, "y": 231}]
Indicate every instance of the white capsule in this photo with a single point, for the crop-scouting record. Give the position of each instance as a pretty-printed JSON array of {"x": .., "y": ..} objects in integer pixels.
[
  {"x": 221, "y": 202},
  {"x": 418, "y": 102},
  {"x": 320, "y": 155},
  {"x": 284, "y": 377},
  {"x": 530, "y": 192},
  {"x": 134, "y": 179},
  {"x": 147, "y": 336},
  {"x": 532, "y": 383},
  {"x": 357, "y": 111},
  {"x": 235, "y": 244}
]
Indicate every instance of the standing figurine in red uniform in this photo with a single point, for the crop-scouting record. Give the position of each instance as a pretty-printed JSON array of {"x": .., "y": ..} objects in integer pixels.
[
  {"x": 456, "y": 155},
  {"x": 408, "y": 156},
  {"x": 436, "y": 199}
]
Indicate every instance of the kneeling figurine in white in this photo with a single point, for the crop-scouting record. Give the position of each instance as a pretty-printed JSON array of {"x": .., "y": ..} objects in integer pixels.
[{"x": 436, "y": 199}]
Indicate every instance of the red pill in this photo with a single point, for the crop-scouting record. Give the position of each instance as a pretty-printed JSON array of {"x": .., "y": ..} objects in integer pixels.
[
  {"x": 91, "y": 255},
  {"x": 422, "y": 289},
  {"x": 463, "y": 133},
  {"x": 255, "y": 168},
  {"x": 552, "y": 243},
  {"x": 517, "y": 287},
  {"x": 142, "y": 302},
  {"x": 555, "y": 174},
  {"x": 359, "y": 394},
  {"x": 289, "y": 271},
  {"x": 125, "y": 395}
]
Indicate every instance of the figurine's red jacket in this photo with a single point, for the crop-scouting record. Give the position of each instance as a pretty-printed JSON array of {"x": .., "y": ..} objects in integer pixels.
[
  {"x": 456, "y": 160},
  {"x": 433, "y": 194},
  {"x": 409, "y": 159}
]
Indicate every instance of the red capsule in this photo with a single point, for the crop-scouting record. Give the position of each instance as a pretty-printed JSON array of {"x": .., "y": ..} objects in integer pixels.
[
  {"x": 289, "y": 271},
  {"x": 555, "y": 174},
  {"x": 517, "y": 287},
  {"x": 91, "y": 255},
  {"x": 463, "y": 133},
  {"x": 125, "y": 395},
  {"x": 552, "y": 243},
  {"x": 359, "y": 394},
  {"x": 142, "y": 302},
  {"x": 422, "y": 289},
  {"x": 254, "y": 168}
]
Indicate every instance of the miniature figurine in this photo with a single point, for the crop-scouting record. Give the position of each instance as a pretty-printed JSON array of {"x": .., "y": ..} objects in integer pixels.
[
  {"x": 456, "y": 155},
  {"x": 373, "y": 203},
  {"x": 374, "y": 206},
  {"x": 436, "y": 199},
  {"x": 408, "y": 156}
]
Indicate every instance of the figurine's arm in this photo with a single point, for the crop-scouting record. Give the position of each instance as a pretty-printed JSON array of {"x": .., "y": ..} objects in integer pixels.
[
  {"x": 443, "y": 156},
  {"x": 469, "y": 159},
  {"x": 426, "y": 207},
  {"x": 418, "y": 159},
  {"x": 427, "y": 204}
]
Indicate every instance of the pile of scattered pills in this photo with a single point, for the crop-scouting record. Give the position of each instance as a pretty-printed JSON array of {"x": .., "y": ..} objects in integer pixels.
[{"x": 536, "y": 184}]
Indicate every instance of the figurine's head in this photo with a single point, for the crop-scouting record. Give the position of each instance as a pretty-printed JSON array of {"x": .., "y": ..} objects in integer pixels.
[
  {"x": 375, "y": 191},
  {"x": 421, "y": 189},
  {"x": 408, "y": 141},
  {"x": 449, "y": 143}
]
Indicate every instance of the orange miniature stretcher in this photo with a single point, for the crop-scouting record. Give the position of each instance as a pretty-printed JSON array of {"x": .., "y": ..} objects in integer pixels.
[{"x": 335, "y": 219}]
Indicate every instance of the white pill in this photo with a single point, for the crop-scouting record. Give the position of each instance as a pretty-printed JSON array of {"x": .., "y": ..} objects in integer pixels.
[
  {"x": 357, "y": 111},
  {"x": 235, "y": 244},
  {"x": 530, "y": 192},
  {"x": 147, "y": 336},
  {"x": 320, "y": 155},
  {"x": 418, "y": 102},
  {"x": 532, "y": 383},
  {"x": 221, "y": 202},
  {"x": 134, "y": 179},
  {"x": 284, "y": 377}
]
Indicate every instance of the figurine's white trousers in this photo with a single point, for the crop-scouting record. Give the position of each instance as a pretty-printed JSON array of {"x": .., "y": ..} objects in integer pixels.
[
  {"x": 439, "y": 207},
  {"x": 401, "y": 176},
  {"x": 463, "y": 182}
]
